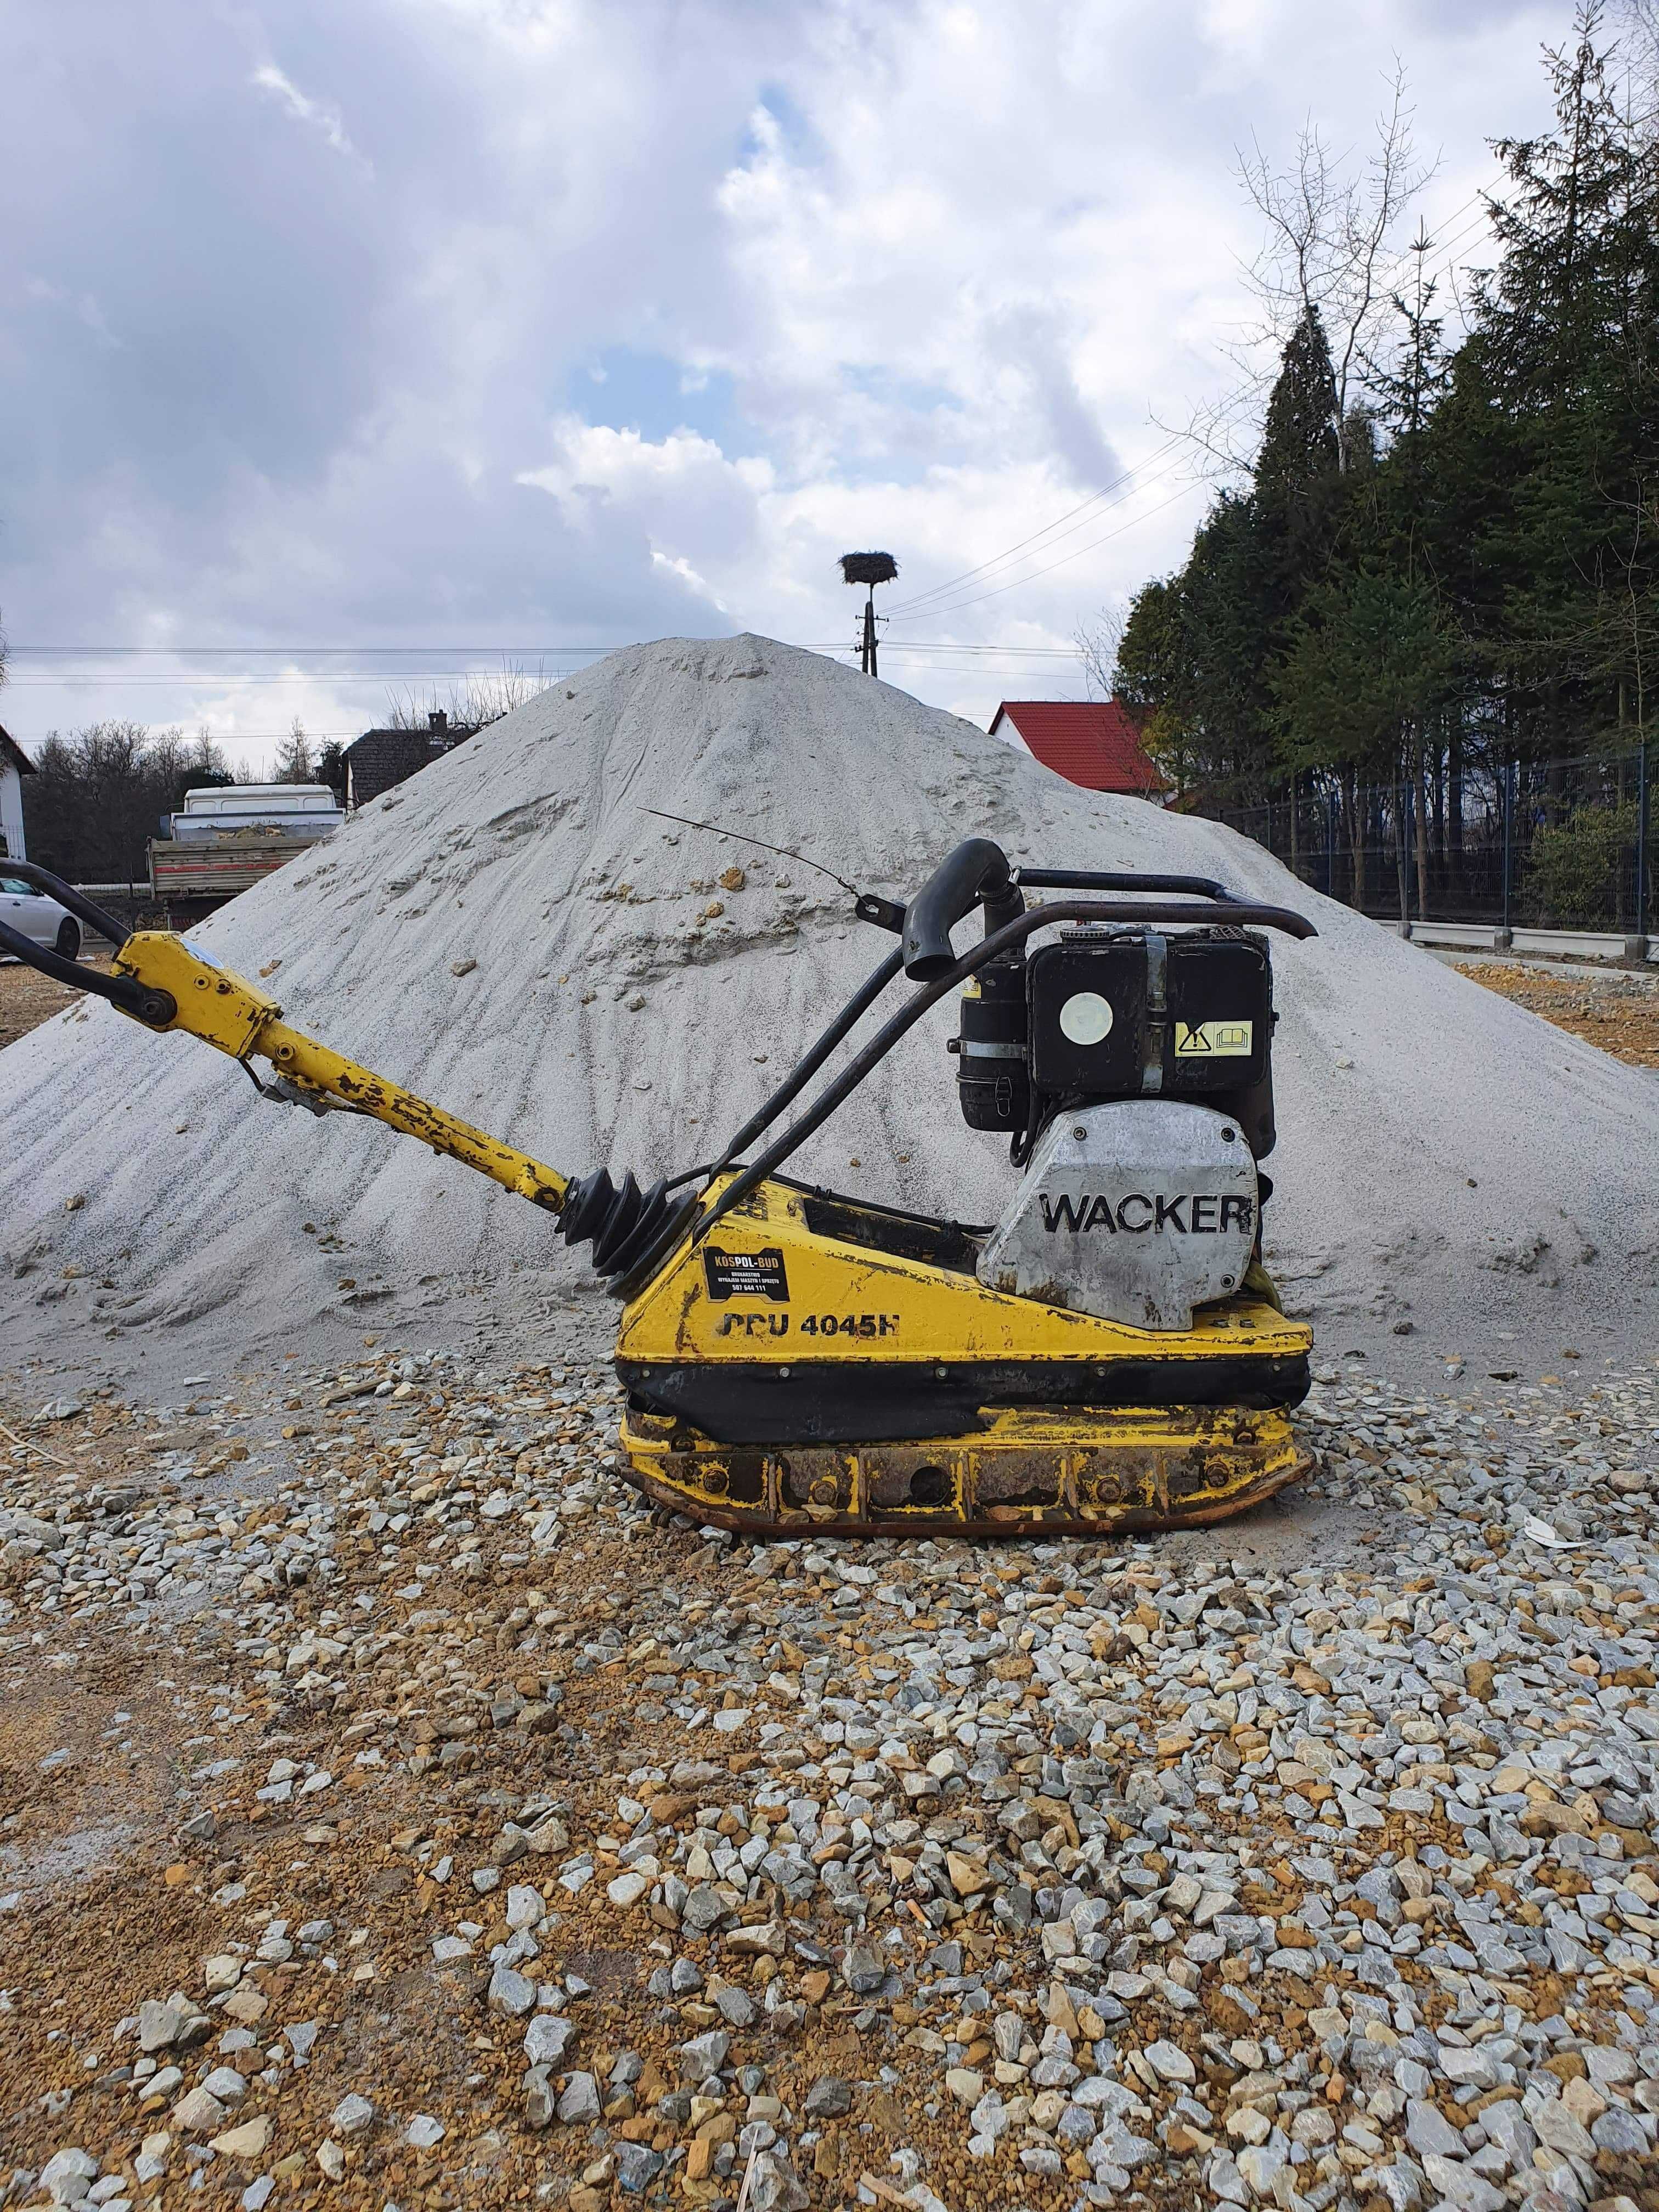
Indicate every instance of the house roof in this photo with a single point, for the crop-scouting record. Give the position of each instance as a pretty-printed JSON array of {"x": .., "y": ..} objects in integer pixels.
[
  {"x": 12, "y": 751},
  {"x": 409, "y": 748},
  {"x": 425, "y": 743},
  {"x": 380, "y": 758},
  {"x": 1090, "y": 742}
]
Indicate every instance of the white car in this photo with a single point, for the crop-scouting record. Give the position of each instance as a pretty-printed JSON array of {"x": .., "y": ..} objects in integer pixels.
[{"x": 33, "y": 916}]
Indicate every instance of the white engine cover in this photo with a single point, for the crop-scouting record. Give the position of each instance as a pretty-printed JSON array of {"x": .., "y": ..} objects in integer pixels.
[{"x": 1136, "y": 1212}]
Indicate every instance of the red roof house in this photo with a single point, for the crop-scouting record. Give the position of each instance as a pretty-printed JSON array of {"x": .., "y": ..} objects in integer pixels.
[{"x": 1091, "y": 742}]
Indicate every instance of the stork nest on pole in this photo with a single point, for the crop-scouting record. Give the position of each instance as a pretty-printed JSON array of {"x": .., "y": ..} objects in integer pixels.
[{"x": 868, "y": 568}]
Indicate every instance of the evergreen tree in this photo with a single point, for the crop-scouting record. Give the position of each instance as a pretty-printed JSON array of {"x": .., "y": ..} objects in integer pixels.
[
  {"x": 1297, "y": 470},
  {"x": 1364, "y": 664},
  {"x": 1407, "y": 386},
  {"x": 1198, "y": 650},
  {"x": 331, "y": 769},
  {"x": 1470, "y": 573},
  {"x": 1563, "y": 340}
]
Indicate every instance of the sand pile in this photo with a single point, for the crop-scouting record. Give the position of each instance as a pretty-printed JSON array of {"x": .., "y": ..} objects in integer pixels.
[{"x": 514, "y": 936}]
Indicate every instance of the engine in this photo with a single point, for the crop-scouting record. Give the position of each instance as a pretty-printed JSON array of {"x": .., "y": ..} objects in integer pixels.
[{"x": 1132, "y": 1069}]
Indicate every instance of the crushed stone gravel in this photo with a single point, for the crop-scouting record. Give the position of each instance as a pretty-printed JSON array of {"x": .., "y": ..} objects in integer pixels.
[
  {"x": 371, "y": 1835},
  {"x": 1619, "y": 1011}
]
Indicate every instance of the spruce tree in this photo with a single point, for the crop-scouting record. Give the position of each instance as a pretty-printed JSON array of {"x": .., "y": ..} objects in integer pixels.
[{"x": 1299, "y": 454}]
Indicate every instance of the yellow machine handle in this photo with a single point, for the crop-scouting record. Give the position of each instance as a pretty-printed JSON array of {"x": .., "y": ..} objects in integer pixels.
[
  {"x": 236, "y": 1016},
  {"x": 158, "y": 978}
]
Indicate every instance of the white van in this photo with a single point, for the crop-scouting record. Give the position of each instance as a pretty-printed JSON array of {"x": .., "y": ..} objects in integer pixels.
[{"x": 302, "y": 811}]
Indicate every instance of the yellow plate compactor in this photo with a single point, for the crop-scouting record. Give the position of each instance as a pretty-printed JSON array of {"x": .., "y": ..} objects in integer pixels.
[{"x": 1109, "y": 1356}]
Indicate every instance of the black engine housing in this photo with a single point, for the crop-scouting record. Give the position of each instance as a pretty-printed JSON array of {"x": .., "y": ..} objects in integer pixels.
[{"x": 1105, "y": 1014}]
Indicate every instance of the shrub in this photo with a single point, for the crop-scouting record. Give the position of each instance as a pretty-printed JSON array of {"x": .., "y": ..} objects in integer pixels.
[{"x": 1576, "y": 867}]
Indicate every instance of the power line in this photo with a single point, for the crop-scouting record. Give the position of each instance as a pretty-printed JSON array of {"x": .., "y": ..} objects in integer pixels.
[
  {"x": 907, "y": 606},
  {"x": 182, "y": 679},
  {"x": 452, "y": 651},
  {"x": 1452, "y": 252},
  {"x": 317, "y": 651},
  {"x": 1076, "y": 554},
  {"x": 932, "y": 600},
  {"x": 991, "y": 651},
  {"x": 179, "y": 681},
  {"x": 949, "y": 606},
  {"x": 934, "y": 603},
  {"x": 1004, "y": 682}
]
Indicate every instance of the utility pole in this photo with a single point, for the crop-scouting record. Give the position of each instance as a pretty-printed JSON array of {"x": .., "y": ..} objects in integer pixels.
[{"x": 869, "y": 570}]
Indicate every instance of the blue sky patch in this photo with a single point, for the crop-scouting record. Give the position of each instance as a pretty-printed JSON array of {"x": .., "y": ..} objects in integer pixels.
[
  {"x": 630, "y": 389},
  {"x": 800, "y": 141}
]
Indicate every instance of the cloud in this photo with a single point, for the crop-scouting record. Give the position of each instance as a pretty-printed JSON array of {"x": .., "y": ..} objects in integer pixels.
[
  {"x": 615, "y": 321},
  {"x": 320, "y": 115},
  {"x": 92, "y": 315},
  {"x": 86, "y": 309}
]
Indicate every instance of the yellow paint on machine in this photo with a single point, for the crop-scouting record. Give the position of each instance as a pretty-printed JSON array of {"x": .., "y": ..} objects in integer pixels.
[
  {"x": 225, "y": 1011},
  {"x": 852, "y": 1306},
  {"x": 1032, "y": 1472}
]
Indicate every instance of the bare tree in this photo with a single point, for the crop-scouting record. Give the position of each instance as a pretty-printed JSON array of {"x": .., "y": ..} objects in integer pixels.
[
  {"x": 1641, "y": 59},
  {"x": 1641, "y": 19},
  {"x": 206, "y": 764},
  {"x": 1097, "y": 641},
  {"x": 1329, "y": 224},
  {"x": 100, "y": 794},
  {"x": 294, "y": 756},
  {"x": 469, "y": 706}
]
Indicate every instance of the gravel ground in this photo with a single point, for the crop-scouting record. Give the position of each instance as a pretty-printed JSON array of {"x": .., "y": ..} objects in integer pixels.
[
  {"x": 396, "y": 1812},
  {"x": 28, "y": 998},
  {"x": 1618, "y": 1012}
]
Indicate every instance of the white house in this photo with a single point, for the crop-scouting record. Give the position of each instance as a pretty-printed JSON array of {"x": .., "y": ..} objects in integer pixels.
[{"x": 15, "y": 765}]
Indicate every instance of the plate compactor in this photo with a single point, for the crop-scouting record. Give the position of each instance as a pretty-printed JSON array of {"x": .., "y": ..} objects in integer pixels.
[{"x": 1109, "y": 1356}]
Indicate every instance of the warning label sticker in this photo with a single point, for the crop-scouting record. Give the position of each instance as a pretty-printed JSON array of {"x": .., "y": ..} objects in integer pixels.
[
  {"x": 1213, "y": 1039},
  {"x": 745, "y": 1274}
]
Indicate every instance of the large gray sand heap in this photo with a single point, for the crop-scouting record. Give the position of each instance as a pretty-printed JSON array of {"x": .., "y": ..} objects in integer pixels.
[{"x": 515, "y": 937}]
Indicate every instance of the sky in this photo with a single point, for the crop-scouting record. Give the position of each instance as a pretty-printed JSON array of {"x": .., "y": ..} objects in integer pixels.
[{"x": 346, "y": 349}]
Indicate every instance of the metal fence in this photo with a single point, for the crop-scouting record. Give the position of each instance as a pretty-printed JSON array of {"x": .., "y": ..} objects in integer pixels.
[
  {"x": 131, "y": 902},
  {"x": 1567, "y": 844}
]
